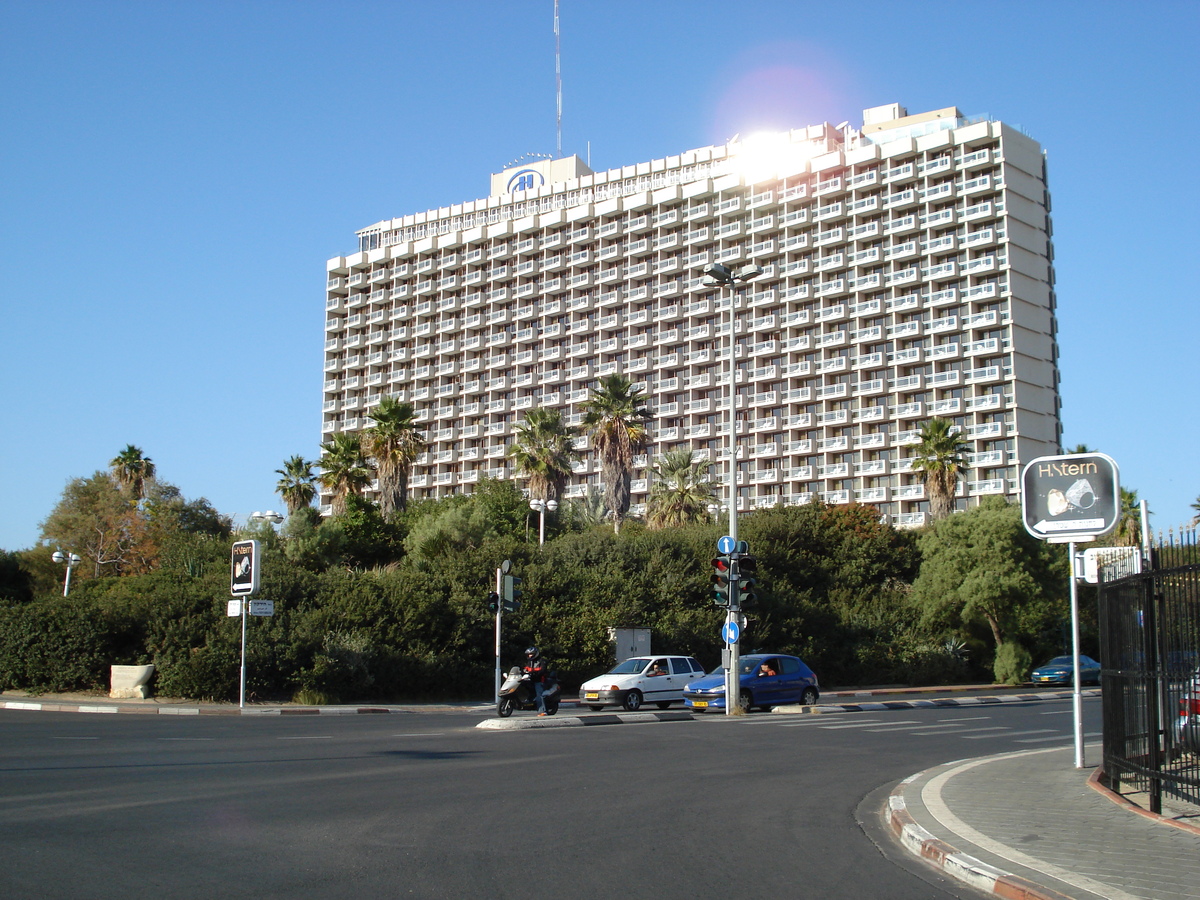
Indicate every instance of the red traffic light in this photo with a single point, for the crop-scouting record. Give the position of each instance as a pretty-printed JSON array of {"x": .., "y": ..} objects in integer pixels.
[{"x": 721, "y": 564}]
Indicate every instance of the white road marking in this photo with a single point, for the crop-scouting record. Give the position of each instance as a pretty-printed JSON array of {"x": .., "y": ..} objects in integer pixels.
[{"x": 307, "y": 737}]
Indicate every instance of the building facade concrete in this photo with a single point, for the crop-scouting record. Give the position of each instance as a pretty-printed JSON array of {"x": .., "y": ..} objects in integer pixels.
[{"x": 907, "y": 273}]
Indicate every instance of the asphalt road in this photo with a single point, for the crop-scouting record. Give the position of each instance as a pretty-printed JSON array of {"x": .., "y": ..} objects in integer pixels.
[{"x": 425, "y": 805}]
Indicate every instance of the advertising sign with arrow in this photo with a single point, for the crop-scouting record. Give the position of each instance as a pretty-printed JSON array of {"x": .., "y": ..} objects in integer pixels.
[{"x": 1070, "y": 498}]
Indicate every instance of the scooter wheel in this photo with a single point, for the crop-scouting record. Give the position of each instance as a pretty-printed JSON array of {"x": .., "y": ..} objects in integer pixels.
[{"x": 505, "y": 707}]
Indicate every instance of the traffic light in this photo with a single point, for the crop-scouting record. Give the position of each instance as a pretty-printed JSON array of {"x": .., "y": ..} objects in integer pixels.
[
  {"x": 493, "y": 601},
  {"x": 512, "y": 593},
  {"x": 747, "y": 581},
  {"x": 721, "y": 581}
]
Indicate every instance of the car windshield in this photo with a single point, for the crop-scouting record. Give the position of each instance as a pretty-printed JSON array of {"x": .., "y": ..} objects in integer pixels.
[
  {"x": 747, "y": 664},
  {"x": 1062, "y": 661},
  {"x": 630, "y": 666}
]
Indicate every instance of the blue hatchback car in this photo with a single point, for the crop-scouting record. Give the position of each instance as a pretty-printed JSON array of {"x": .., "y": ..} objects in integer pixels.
[{"x": 767, "y": 679}]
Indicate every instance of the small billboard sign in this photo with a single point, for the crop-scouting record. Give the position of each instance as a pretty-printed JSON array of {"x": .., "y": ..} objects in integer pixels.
[
  {"x": 244, "y": 575},
  {"x": 1069, "y": 498}
]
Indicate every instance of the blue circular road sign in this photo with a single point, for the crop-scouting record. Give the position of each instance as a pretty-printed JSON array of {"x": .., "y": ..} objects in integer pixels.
[
  {"x": 725, "y": 544},
  {"x": 731, "y": 632}
]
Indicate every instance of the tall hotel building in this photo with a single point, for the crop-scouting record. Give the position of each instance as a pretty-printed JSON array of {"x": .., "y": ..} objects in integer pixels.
[{"x": 907, "y": 273}]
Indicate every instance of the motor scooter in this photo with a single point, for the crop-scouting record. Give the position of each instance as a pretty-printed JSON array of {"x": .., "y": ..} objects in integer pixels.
[{"x": 518, "y": 692}]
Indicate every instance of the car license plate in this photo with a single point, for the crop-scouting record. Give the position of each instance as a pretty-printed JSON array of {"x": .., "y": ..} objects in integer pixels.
[
  {"x": 591, "y": 695},
  {"x": 699, "y": 704}
]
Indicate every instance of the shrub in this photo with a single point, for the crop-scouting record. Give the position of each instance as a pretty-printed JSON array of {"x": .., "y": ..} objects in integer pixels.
[
  {"x": 1012, "y": 664},
  {"x": 53, "y": 646}
]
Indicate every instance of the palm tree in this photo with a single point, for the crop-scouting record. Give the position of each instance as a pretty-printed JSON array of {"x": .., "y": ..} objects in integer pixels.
[
  {"x": 542, "y": 452},
  {"x": 394, "y": 443},
  {"x": 588, "y": 510},
  {"x": 132, "y": 470},
  {"x": 681, "y": 490},
  {"x": 1129, "y": 521},
  {"x": 344, "y": 469},
  {"x": 296, "y": 487},
  {"x": 938, "y": 459},
  {"x": 1196, "y": 507},
  {"x": 615, "y": 418}
]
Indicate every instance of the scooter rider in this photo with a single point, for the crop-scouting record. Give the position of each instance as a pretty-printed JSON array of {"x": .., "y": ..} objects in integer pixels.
[{"x": 535, "y": 668}]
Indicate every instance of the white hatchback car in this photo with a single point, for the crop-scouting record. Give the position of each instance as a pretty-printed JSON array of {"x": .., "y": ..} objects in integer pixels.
[{"x": 641, "y": 679}]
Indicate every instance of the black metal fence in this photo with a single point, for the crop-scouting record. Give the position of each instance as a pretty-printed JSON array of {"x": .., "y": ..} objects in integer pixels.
[{"x": 1150, "y": 651}]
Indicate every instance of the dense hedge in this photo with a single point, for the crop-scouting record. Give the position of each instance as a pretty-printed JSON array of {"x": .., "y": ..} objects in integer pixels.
[{"x": 835, "y": 588}]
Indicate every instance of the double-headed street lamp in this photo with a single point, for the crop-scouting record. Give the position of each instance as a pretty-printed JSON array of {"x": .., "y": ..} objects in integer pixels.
[
  {"x": 540, "y": 507},
  {"x": 717, "y": 275},
  {"x": 71, "y": 560},
  {"x": 269, "y": 516}
]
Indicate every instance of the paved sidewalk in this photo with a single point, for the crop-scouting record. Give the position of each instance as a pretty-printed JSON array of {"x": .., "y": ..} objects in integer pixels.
[{"x": 1031, "y": 825}]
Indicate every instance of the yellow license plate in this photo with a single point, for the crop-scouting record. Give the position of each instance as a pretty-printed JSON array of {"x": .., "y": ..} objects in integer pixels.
[
  {"x": 591, "y": 695},
  {"x": 699, "y": 704}
]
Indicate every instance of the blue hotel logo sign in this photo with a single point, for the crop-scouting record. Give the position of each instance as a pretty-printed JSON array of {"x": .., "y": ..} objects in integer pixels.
[{"x": 525, "y": 180}]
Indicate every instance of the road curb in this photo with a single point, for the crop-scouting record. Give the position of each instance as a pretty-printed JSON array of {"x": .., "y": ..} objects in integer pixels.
[
  {"x": 958, "y": 865},
  {"x": 943, "y": 702},
  {"x": 140, "y": 710},
  {"x": 523, "y": 723},
  {"x": 1096, "y": 783}
]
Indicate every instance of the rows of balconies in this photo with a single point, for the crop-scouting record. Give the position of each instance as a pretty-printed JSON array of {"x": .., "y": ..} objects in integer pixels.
[{"x": 583, "y": 257}]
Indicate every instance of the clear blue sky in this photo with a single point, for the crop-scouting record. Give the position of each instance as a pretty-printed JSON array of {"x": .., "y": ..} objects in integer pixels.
[{"x": 173, "y": 177}]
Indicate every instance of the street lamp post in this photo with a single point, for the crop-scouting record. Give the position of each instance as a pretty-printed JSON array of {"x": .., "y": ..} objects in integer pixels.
[
  {"x": 718, "y": 275},
  {"x": 71, "y": 560},
  {"x": 540, "y": 507},
  {"x": 269, "y": 516}
]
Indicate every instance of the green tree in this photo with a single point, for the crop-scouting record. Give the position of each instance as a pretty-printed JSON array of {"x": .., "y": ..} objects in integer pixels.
[
  {"x": 938, "y": 459},
  {"x": 581, "y": 513},
  {"x": 296, "y": 484},
  {"x": 680, "y": 490},
  {"x": 16, "y": 581},
  {"x": 394, "y": 443},
  {"x": 1196, "y": 507},
  {"x": 132, "y": 470},
  {"x": 462, "y": 524},
  {"x": 615, "y": 417},
  {"x": 1128, "y": 532},
  {"x": 982, "y": 568},
  {"x": 188, "y": 536},
  {"x": 344, "y": 468},
  {"x": 95, "y": 519},
  {"x": 542, "y": 452},
  {"x": 311, "y": 542}
]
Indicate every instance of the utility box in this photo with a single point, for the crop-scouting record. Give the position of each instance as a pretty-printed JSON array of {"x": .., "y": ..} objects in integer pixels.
[{"x": 630, "y": 642}]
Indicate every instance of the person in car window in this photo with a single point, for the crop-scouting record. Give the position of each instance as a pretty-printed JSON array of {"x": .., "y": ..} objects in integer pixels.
[
  {"x": 657, "y": 669},
  {"x": 767, "y": 669}
]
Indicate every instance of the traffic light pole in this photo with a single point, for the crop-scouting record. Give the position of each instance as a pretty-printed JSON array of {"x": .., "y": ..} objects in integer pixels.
[
  {"x": 733, "y": 681},
  {"x": 499, "y": 614}
]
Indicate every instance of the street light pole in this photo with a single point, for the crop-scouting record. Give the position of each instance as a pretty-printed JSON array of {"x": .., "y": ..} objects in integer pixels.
[
  {"x": 540, "y": 507},
  {"x": 717, "y": 275},
  {"x": 71, "y": 560}
]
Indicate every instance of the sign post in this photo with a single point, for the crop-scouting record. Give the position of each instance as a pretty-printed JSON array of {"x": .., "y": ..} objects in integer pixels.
[
  {"x": 1065, "y": 499},
  {"x": 244, "y": 581},
  {"x": 501, "y": 573}
]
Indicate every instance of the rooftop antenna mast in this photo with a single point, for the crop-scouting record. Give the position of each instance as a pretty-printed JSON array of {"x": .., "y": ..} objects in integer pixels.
[{"x": 558, "y": 75}]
